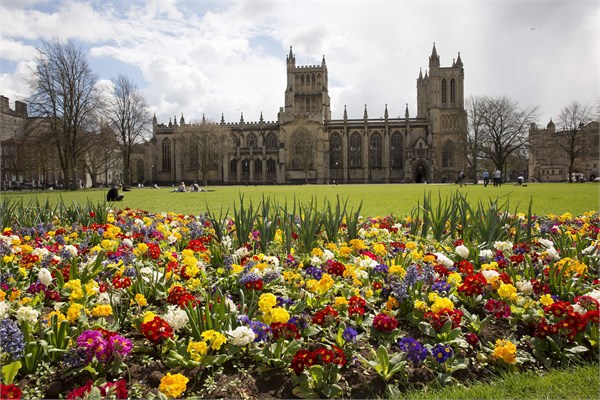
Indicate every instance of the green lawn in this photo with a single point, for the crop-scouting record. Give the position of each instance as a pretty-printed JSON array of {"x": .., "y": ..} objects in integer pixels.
[{"x": 398, "y": 199}]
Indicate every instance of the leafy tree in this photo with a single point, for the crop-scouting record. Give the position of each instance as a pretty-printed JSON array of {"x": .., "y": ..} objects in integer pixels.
[
  {"x": 64, "y": 92},
  {"x": 474, "y": 105},
  {"x": 572, "y": 120},
  {"x": 128, "y": 112}
]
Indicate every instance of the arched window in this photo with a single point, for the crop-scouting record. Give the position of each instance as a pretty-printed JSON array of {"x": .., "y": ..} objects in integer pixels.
[
  {"x": 166, "y": 154},
  {"x": 302, "y": 79},
  {"x": 355, "y": 150},
  {"x": 448, "y": 154},
  {"x": 251, "y": 140},
  {"x": 270, "y": 166},
  {"x": 233, "y": 166},
  {"x": 396, "y": 150},
  {"x": 335, "y": 151},
  {"x": 452, "y": 91},
  {"x": 444, "y": 98},
  {"x": 302, "y": 148},
  {"x": 313, "y": 79},
  {"x": 375, "y": 150},
  {"x": 271, "y": 140},
  {"x": 257, "y": 170}
]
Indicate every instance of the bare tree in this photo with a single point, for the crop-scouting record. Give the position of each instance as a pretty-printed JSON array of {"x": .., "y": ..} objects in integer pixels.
[
  {"x": 572, "y": 120},
  {"x": 103, "y": 159},
  {"x": 303, "y": 145},
  {"x": 205, "y": 146},
  {"x": 474, "y": 105},
  {"x": 65, "y": 93},
  {"x": 128, "y": 112},
  {"x": 504, "y": 128}
]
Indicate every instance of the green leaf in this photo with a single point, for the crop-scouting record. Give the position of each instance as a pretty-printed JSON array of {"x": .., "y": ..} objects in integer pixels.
[
  {"x": 427, "y": 329},
  {"x": 383, "y": 357},
  {"x": 577, "y": 349},
  {"x": 9, "y": 372}
]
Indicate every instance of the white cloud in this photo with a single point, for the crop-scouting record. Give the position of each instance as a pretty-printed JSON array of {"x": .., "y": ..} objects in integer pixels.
[{"x": 229, "y": 57}]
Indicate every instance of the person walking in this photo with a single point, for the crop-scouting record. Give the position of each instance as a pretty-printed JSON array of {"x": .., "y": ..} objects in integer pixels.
[
  {"x": 497, "y": 176},
  {"x": 486, "y": 177},
  {"x": 461, "y": 178}
]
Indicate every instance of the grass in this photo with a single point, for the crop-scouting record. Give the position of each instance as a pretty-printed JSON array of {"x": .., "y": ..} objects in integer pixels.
[
  {"x": 557, "y": 198},
  {"x": 576, "y": 383}
]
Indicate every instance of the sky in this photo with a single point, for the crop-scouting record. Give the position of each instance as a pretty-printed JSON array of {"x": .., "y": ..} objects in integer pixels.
[{"x": 229, "y": 57}]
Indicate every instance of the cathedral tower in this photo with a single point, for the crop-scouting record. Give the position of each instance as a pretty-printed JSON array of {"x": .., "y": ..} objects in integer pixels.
[{"x": 306, "y": 94}]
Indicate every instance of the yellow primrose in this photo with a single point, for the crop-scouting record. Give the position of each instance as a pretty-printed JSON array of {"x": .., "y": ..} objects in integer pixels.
[
  {"x": 454, "y": 279},
  {"x": 440, "y": 303},
  {"x": 148, "y": 316},
  {"x": 216, "y": 339},
  {"x": 397, "y": 269},
  {"x": 358, "y": 244},
  {"x": 102, "y": 310},
  {"x": 507, "y": 291},
  {"x": 505, "y": 350},
  {"x": 140, "y": 300},
  {"x": 59, "y": 317},
  {"x": 340, "y": 301},
  {"x": 317, "y": 252},
  {"x": 379, "y": 249},
  {"x": 267, "y": 301},
  {"x": 421, "y": 306},
  {"x": 546, "y": 300},
  {"x": 197, "y": 350},
  {"x": 345, "y": 251},
  {"x": 74, "y": 311}
]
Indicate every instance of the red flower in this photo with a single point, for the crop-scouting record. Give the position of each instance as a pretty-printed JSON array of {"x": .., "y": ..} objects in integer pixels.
[
  {"x": 119, "y": 388},
  {"x": 10, "y": 392},
  {"x": 325, "y": 316},
  {"x": 80, "y": 392},
  {"x": 384, "y": 323},
  {"x": 287, "y": 331},
  {"x": 92, "y": 214},
  {"x": 157, "y": 330}
]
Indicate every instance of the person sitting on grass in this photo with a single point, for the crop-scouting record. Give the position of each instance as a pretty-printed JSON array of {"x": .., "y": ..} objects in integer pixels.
[
  {"x": 181, "y": 187},
  {"x": 113, "y": 194},
  {"x": 195, "y": 187}
]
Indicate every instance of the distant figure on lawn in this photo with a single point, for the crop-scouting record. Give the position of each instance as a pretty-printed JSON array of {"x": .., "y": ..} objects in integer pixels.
[
  {"x": 486, "y": 177},
  {"x": 497, "y": 177},
  {"x": 194, "y": 187},
  {"x": 113, "y": 194},
  {"x": 181, "y": 187}
]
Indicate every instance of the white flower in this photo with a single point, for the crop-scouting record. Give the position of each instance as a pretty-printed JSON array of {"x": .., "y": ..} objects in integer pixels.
[
  {"x": 138, "y": 222},
  {"x": 316, "y": 261},
  {"x": 444, "y": 260},
  {"x": 45, "y": 276},
  {"x": 226, "y": 242},
  {"x": 525, "y": 287},
  {"x": 546, "y": 243},
  {"x": 367, "y": 263},
  {"x": 72, "y": 250},
  {"x": 150, "y": 274},
  {"x": 176, "y": 317},
  {"x": 241, "y": 336},
  {"x": 171, "y": 239},
  {"x": 397, "y": 226},
  {"x": 241, "y": 252},
  {"x": 552, "y": 253},
  {"x": 462, "y": 251},
  {"x": 27, "y": 314},
  {"x": 327, "y": 255},
  {"x": 4, "y": 306},
  {"x": 594, "y": 294},
  {"x": 503, "y": 246},
  {"x": 103, "y": 298},
  {"x": 486, "y": 253},
  {"x": 40, "y": 252},
  {"x": 127, "y": 242},
  {"x": 489, "y": 274},
  {"x": 578, "y": 309},
  {"x": 590, "y": 249}
]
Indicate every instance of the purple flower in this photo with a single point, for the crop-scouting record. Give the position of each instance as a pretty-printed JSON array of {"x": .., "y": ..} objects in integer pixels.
[
  {"x": 441, "y": 287},
  {"x": 11, "y": 338},
  {"x": 261, "y": 330},
  {"x": 89, "y": 339},
  {"x": 442, "y": 352},
  {"x": 121, "y": 345},
  {"x": 349, "y": 334},
  {"x": 415, "y": 352}
]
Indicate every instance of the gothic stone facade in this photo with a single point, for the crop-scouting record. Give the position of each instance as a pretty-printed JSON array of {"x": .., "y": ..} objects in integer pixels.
[
  {"x": 549, "y": 163},
  {"x": 427, "y": 148}
]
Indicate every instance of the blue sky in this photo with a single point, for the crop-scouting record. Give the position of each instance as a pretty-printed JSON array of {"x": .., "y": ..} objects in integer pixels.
[{"x": 200, "y": 57}]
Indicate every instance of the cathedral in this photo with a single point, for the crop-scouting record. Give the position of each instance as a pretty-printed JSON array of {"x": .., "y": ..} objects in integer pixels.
[{"x": 305, "y": 145}]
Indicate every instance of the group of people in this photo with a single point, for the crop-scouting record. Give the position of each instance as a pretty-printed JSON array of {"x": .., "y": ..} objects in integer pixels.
[
  {"x": 194, "y": 187},
  {"x": 496, "y": 178}
]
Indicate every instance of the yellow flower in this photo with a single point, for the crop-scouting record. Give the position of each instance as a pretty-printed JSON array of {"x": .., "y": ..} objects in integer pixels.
[
  {"x": 109, "y": 245},
  {"x": 216, "y": 339},
  {"x": 266, "y": 302},
  {"x": 148, "y": 316},
  {"x": 278, "y": 314},
  {"x": 358, "y": 244},
  {"x": 391, "y": 303},
  {"x": 340, "y": 301},
  {"x": 102, "y": 310},
  {"x": 317, "y": 252},
  {"x": 59, "y": 317},
  {"x": 140, "y": 299},
  {"x": 236, "y": 268},
  {"x": 8, "y": 258},
  {"x": 572, "y": 266},
  {"x": 507, "y": 291},
  {"x": 454, "y": 279},
  {"x": 141, "y": 249},
  {"x": 379, "y": 249},
  {"x": 546, "y": 300},
  {"x": 173, "y": 385},
  {"x": 2, "y": 295},
  {"x": 345, "y": 251},
  {"x": 506, "y": 351},
  {"x": 197, "y": 350},
  {"x": 74, "y": 311},
  {"x": 76, "y": 290},
  {"x": 441, "y": 303},
  {"x": 397, "y": 269},
  {"x": 369, "y": 293},
  {"x": 411, "y": 245},
  {"x": 432, "y": 296},
  {"x": 421, "y": 306}
]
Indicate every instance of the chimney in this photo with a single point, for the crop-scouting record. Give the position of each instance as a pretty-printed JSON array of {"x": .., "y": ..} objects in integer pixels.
[{"x": 21, "y": 108}]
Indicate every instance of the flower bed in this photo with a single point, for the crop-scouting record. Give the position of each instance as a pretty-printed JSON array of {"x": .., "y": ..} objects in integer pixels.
[{"x": 143, "y": 305}]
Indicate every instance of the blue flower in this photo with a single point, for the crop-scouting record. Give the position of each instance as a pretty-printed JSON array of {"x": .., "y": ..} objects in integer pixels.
[
  {"x": 442, "y": 352},
  {"x": 441, "y": 287},
  {"x": 349, "y": 334},
  {"x": 11, "y": 338},
  {"x": 415, "y": 352}
]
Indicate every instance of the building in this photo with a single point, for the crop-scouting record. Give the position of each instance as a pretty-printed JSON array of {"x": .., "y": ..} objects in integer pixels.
[
  {"x": 549, "y": 163},
  {"x": 306, "y": 145}
]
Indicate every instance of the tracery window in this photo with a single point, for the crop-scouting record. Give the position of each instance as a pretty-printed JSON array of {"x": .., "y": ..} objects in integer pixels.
[
  {"x": 452, "y": 91},
  {"x": 355, "y": 150},
  {"x": 375, "y": 150},
  {"x": 335, "y": 151},
  {"x": 444, "y": 90},
  {"x": 396, "y": 150},
  {"x": 166, "y": 154}
]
